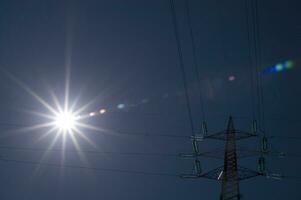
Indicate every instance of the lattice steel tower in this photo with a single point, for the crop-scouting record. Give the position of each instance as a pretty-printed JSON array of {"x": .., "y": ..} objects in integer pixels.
[
  {"x": 230, "y": 173},
  {"x": 230, "y": 184}
]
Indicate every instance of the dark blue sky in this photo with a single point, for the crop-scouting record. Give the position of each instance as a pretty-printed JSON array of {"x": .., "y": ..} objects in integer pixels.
[{"x": 125, "y": 52}]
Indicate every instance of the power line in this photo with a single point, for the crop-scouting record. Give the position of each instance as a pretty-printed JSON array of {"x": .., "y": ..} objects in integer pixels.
[
  {"x": 285, "y": 137},
  {"x": 113, "y": 132},
  {"x": 180, "y": 55},
  {"x": 258, "y": 59},
  {"x": 254, "y": 61},
  {"x": 12, "y": 124},
  {"x": 256, "y": 64},
  {"x": 296, "y": 178},
  {"x": 144, "y": 134},
  {"x": 87, "y": 168},
  {"x": 195, "y": 61},
  {"x": 211, "y": 154},
  {"x": 250, "y": 59},
  {"x": 88, "y": 151}
]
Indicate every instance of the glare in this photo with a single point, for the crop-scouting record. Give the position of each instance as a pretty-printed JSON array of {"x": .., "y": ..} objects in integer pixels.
[
  {"x": 102, "y": 111},
  {"x": 65, "y": 121},
  {"x": 63, "y": 116}
]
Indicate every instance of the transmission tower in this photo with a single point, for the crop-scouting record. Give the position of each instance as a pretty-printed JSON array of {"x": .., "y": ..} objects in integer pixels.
[{"x": 230, "y": 173}]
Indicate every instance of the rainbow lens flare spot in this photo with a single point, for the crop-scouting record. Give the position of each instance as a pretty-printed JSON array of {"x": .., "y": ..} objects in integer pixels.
[{"x": 289, "y": 64}]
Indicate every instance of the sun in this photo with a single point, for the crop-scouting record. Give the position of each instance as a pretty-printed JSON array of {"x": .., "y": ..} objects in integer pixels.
[
  {"x": 63, "y": 118},
  {"x": 65, "y": 121}
]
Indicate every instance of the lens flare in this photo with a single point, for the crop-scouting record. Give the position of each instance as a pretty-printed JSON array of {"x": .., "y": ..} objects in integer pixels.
[
  {"x": 120, "y": 106},
  {"x": 279, "y": 67},
  {"x": 102, "y": 111},
  {"x": 231, "y": 78}
]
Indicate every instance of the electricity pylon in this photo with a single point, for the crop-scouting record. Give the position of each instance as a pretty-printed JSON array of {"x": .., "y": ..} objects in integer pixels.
[{"x": 230, "y": 174}]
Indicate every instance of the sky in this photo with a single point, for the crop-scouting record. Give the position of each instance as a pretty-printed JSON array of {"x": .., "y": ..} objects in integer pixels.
[{"x": 122, "y": 56}]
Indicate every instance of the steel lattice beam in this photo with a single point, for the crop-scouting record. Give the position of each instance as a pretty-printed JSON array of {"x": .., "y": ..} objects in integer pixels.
[
  {"x": 242, "y": 173},
  {"x": 239, "y": 135}
]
